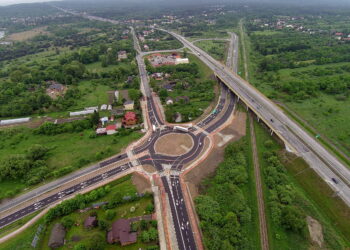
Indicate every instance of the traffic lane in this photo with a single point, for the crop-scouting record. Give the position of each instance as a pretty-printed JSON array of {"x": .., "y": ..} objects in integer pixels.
[
  {"x": 57, "y": 196},
  {"x": 224, "y": 118},
  {"x": 178, "y": 164},
  {"x": 180, "y": 205},
  {"x": 113, "y": 160},
  {"x": 174, "y": 214}
]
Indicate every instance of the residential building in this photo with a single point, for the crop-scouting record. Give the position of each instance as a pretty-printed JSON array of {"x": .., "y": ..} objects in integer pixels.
[
  {"x": 129, "y": 105},
  {"x": 169, "y": 101},
  {"x": 101, "y": 131},
  {"x": 111, "y": 129},
  {"x": 181, "y": 61},
  {"x": 121, "y": 233},
  {"x": 122, "y": 55},
  {"x": 90, "y": 222},
  {"x": 129, "y": 119},
  {"x": 57, "y": 235}
]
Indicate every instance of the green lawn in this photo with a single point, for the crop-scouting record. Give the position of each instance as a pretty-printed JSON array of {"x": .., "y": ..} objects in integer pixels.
[
  {"x": 67, "y": 149},
  {"x": 92, "y": 94},
  {"x": 124, "y": 186},
  {"x": 313, "y": 196}
]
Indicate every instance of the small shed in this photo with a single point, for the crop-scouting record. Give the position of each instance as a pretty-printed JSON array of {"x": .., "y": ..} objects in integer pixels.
[
  {"x": 57, "y": 236},
  {"x": 90, "y": 222},
  {"x": 169, "y": 101}
]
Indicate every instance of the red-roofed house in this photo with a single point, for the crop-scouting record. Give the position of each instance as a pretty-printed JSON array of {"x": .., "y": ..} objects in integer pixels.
[
  {"x": 129, "y": 119},
  {"x": 121, "y": 233},
  {"x": 111, "y": 129}
]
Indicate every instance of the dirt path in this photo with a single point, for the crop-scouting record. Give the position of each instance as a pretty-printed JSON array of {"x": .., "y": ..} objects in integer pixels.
[{"x": 261, "y": 206}]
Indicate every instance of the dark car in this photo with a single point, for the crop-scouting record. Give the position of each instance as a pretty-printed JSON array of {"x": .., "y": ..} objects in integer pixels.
[{"x": 335, "y": 180}]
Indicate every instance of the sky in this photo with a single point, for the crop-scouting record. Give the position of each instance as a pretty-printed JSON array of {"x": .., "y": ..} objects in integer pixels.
[{"x": 8, "y": 2}]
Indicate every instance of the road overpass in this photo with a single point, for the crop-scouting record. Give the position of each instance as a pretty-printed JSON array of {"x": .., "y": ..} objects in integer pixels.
[{"x": 294, "y": 137}]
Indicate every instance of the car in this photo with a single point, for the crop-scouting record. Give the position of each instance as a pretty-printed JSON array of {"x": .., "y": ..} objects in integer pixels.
[{"x": 335, "y": 180}]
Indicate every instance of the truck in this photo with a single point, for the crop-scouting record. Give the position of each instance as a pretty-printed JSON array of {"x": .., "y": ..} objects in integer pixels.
[{"x": 181, "y": 128}]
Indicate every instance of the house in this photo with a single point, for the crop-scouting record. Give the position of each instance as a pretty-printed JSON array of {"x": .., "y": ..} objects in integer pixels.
[
  {"x": 121, "y": 233},
  {"x": 111, "y": 129},
  {"x": 55, "y": 86},
  {"x": 118, "y": 112},
  {"x": 184, "y": 99},
  {"x": 101, "y": 131},
  {"x": 158, "y": 76},
  {"x": 57, "y": 236},
  {"x": 181, "y": 61},
  {"x": 103, "y": 107},
  {"x": 146, "y": 47},
  {"x": 90, "y": 222},
  {"x": 339, "y": 34},
  {"x": 55, "y": 89},
  {"x": 104, "y": 120},
  {"x": 129, "y": 119},
  {"x": 169, "y": 101},
  {"x": 129, "y": 80},
  {"x": 169, "y": 87},
  {"x": 122, "y": 55},
  {"x": 129, "y": 105}
]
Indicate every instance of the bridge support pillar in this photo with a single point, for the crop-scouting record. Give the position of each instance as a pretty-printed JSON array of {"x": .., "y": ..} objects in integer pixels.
[
  {"x": 271, "y": 132},
  {"x": 258, "y": 118}
]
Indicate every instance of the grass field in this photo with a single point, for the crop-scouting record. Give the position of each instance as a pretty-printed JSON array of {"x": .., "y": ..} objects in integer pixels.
[
  {"x": 25, "y": 35},
  {"x": 124, "y": 186},
  {"x": 313, "y": 196},
  {"x": 328, "y": 115},
  {"x": 92, "y": 94},
  {"x": 67, "y": 149},
  {"x": 216, "y": 48}
]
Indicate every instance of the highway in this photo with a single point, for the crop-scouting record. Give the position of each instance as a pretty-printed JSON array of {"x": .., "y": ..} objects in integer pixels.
[
  {"x": 294, "y": 137},
  {"x": 181, "y": 222}
]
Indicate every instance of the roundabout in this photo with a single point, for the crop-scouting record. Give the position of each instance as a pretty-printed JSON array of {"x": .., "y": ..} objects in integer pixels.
[{"x": 174, "y": 144}]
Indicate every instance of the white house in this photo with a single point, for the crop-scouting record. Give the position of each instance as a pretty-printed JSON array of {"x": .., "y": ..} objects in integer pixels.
[{"x": 181, "y": 61}]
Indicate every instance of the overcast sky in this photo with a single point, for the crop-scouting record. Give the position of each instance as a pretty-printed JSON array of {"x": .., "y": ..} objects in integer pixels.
[{"x": 8, "y": 2}]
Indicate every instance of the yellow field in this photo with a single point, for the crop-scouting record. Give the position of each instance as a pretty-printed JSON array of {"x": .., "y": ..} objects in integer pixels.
[{"x": 25, "y": 35}]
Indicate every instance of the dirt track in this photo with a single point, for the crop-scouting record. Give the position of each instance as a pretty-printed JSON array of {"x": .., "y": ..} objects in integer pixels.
[{"x": 261, "y": 206}]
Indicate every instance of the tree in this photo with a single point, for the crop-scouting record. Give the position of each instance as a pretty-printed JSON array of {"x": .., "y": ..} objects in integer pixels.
[
  {"x": 14, "y": 167},
  {"x": 110, "y": 214},
  {"x": 37, "y": 152},
  {"x": 145, "y": 236},
  {"x": 150, "y": 208},
  {"x": 102, "y": 225},
  {"x": 153, "y": 234},
  {"x": 95, "y": 118},
  {"x": 96, "y": 242},
  {"x": 67, "y": 222},
  {"x": 134, "y": 94},
  {"x": 293, "y": 219}
]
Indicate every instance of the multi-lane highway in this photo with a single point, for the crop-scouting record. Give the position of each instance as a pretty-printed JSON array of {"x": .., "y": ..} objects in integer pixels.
[
  {"x": 294, "y": 137},
  {"x": 181, "y": 222}
]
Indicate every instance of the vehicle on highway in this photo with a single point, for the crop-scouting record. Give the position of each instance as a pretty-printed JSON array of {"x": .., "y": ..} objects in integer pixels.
[
  {"x": 181, "y": 128},
  {"x": 335, "y": 180}
]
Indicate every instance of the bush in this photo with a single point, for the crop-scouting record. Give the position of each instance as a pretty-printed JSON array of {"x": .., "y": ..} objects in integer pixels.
[{"x": 110, "y": 214}]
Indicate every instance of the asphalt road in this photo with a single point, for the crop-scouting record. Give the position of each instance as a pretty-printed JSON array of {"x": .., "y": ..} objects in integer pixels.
[
  {"x": 295, "y": 138},
  {"x": 184, "y": 234}
]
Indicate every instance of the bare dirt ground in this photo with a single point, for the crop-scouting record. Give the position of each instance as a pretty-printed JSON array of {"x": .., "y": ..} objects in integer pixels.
[
  {"x": 149, "y": 168},
  {"x": 174, "y": 144},
  {"x": 141, "y": 183},
  {"x": 315, "y": 230},
  {"x": 207, "y": 167},
  {"x": 25, "y": 35}
]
